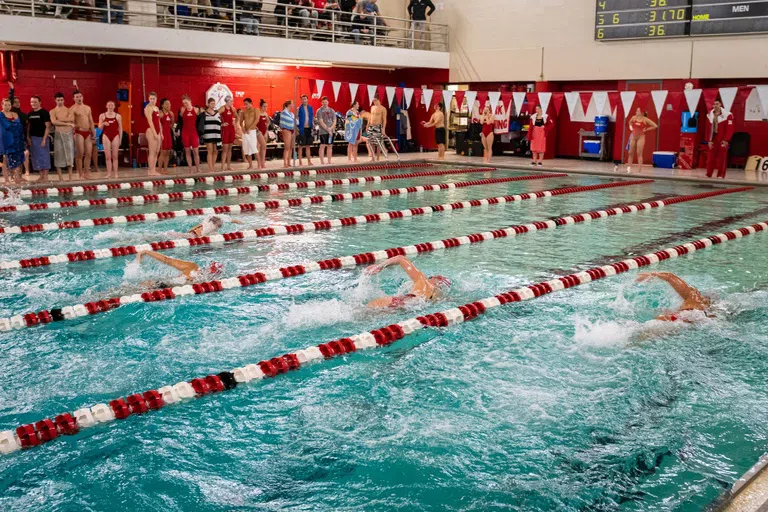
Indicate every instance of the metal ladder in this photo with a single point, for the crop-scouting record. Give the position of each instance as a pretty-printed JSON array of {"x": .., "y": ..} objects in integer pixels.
[{"x": 383, "y": 148}]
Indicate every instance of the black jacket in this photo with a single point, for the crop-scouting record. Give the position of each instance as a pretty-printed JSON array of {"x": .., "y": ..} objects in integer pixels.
[{"x": 418, "y": 9}]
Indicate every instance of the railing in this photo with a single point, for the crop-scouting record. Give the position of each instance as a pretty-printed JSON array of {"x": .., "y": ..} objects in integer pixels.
[{"x": 247, "y": 17}]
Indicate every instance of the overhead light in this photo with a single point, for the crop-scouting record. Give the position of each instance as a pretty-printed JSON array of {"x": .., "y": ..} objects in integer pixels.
[
  {"x": 234, "y": 64},
  {"x": 300, "y": 62}
]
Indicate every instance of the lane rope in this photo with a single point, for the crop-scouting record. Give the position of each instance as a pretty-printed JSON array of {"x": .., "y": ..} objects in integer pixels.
[
  {"x": 265, "y": 205},
  {"x": 70, "y": 423},
  {"x": 272, "y": 274},
  {"x": 188, "y": 182},
  {"x": 292, "y": 229},
  {"x": 171, "y": 197}
]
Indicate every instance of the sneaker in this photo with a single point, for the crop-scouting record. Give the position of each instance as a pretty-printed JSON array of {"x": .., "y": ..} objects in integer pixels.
[
  {"x": 533, "y": 163},
  {"x": 540, "y": 164}
]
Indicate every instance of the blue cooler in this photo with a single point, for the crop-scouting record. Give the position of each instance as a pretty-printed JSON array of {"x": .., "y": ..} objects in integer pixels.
[
  {"x": 592, "y": 147},
  {"x": 664, "y": 159},
  {"x": 601, "y": 125}
]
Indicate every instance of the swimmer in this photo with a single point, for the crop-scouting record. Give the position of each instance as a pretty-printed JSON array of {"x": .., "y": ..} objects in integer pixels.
[
  {"x": 426, "y": 288},
  {"x": 189, "y": 271},
  {"x": 211, "y": 225},
  {"x": 693, "y": 299}
]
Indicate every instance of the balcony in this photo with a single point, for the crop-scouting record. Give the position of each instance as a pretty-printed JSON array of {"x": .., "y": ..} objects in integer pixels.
[{"x": 242, "y": 29}]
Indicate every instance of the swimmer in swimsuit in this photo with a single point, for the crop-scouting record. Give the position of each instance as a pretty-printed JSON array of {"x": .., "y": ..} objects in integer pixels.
[
  {"x": 211, "y": 225},
  {"x": 427, "y": 288},
  {"x": 693, "y": 299},
  {"x": 190, "y": 271}
]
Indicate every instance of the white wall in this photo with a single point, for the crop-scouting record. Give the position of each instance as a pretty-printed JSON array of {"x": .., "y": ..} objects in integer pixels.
[{"x": 518, "y": 40}]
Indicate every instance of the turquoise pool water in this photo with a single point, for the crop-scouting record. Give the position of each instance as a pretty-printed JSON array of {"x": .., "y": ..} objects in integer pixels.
[{"x": 575, "y": 401}]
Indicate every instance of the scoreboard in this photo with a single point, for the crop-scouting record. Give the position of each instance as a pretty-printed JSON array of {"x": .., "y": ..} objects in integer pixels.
[{"x": 653, "y": 19}]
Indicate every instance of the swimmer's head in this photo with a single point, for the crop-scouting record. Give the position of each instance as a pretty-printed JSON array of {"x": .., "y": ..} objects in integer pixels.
[
  {"x": 441, "y": 283},
  {"x": 210, "y": 225},
  {"x": 215, "y": 268}
]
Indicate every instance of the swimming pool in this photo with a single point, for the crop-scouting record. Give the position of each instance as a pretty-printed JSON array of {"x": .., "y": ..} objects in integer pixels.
[{"x": 571, "y": 401}]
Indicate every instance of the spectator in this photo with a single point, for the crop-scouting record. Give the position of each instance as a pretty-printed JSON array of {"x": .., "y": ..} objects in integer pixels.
[
  {"x": 16, "y": 108},
  {"x": 38, "y": 132},
  {"x": 13, "y": 142},
  {"x": 115, "y": 14},
  {"x": 281, "y": 10},
  {"x": 326, "y": 121},
  {"x": 306, "y": 122},
  {"x": 417, "y": 10},
  {"x": 248, "y": 22},
  {"x": 361, "y": 25},
  {"x": 370, "y": 8},
  {"x": 306, "y": 10},
  {"x": 211, "y": 133}
]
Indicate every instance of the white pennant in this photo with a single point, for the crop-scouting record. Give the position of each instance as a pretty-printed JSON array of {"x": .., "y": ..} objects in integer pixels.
[
  {"x": 320, "y": 84},
  {"x": 627, "y": 99},
  {"x": 408, "y": 96},
  {"x": 518, "y": 98},
  {"x": 728, "y": 95},
  {"x": 371, "y": 93},
  {"x": 493, "y": 97},
  {"x": 762, "y": 95},
  {"x": 447, "y": 95},
  {"x": 471, "y": 96},
  {"x": 659, "y": 99},
  {"x": 600, "y": 98},
  {"x": 427, "y": 97},
  {"x": 353, "y": 90},
  {"x": 544, "y": 99},
  {"x": 572, "y": 100},
  {"x": 692, "y": 97},
  {"x": 390, "y": 95},
  {"x": 336, "y": 89}
]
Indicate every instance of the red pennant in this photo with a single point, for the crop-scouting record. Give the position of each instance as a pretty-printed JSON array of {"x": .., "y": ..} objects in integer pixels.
[
  {"x": 586, "y": 98},
  {"x": 381, "y": 91},
  {"x": 557, "y": 101},
  {"x": 743, "y": 94},
  {"x": 641, "y": 100},
  {"x": 416, "y": 97},
  {"x": 506, "y": 97},
  {"x": 399, "y": 96},
  {"x": 533, "y": 100},
  {"x": 312, "y": 85},
  {"x": 460, "y": 99},
  {"x": 613, "y": 99},
  {"x": 362, "y": 96},
  {"x": 482, "y": 97},
  {"x": 674, "y": 98},
  {"x": 345, "y": 87},
  {"x": 710, "y": 95}
]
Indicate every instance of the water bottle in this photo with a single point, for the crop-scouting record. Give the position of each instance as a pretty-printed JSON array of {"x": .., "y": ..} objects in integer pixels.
[
  {"x": 421, "y": 149},
  {"x": 135, "y": 164},
  {"x": 470, "y": 150}
]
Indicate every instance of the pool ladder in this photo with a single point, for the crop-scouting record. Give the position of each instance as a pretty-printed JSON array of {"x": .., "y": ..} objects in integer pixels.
[{"x": 383, "y": 148}]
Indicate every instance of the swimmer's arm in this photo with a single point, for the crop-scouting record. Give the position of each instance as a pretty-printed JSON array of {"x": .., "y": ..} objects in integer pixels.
[
  {"x": 235, "y": 221},
  {"x": 682, "y": 288},
  {"x": 650, "y": 125},
  {"x": 186, "y": 267},
  {"x": 415, "y": 274}
]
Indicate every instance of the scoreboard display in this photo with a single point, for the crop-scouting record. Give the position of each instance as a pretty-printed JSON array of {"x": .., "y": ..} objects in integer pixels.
[{"x": 654, "y": 19}]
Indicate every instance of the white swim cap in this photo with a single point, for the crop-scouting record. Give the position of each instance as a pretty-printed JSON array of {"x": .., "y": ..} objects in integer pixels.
[{"x": 210, "y": 225}]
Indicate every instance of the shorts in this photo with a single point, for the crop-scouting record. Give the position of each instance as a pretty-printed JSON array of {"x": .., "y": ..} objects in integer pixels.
[
  {"x": 63, "y": 149},
  {"x": 439, "y": 136},
  {"x": 40, "y": 156},
  {"x": 305, "y": 139},
  {"x": 190, "y": 140},
  {"x": 326, "y": 139},
  {"x": 250, "y": 143},
  {"x": 228, "y": 134}
]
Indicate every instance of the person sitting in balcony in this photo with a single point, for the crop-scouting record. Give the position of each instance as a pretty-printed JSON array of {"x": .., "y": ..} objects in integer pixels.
[
  {"x": 361, "y": 25},
  {"x": 370, "y": 8},
  {"x": 281, "y": 10},
  {"x": 247, "y": 21},
  {"x": 306, "y": 10}
]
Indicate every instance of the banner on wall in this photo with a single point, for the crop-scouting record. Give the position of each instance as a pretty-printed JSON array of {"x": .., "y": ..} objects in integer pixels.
[{"x": 501, "y": 118}]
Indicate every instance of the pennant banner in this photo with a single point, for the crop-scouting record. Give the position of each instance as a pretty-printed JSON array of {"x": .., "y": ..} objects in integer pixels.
[
  {"x": 482, "y": 97},
  {"x": 353, "y": 91},
  {"x": 319, "y": 84},
  {"x": 417, "y": 96},
  {"x": 336, "y": 89},
  {"x": 371, "y": 93},
  {"x": 659, "y": 100},
  {"x": 390, "y": 96},
  {"x": 627, "y": 99},
  {"x": 493, "y": 97},
  {"x": 692, "y": 97},
  {"x": 544, "y": 99},
  {"x": 471, "y": 97},
  {"x": 519, "y": 99},
  {"x": 381, "y": 92},
  {"x": 533, "y": 100},
  {"x": 710, "y": 95},
  {"x": 447, "y": 95},
  {"x": 399, "y": 97},
  {"x": 586, "y": 98},
  {"x": 613, "y": 100},
  {"x": 557, "y": 102},
  {"x": 728, "y": 95},
  {"x": 601, "y": 100},
  {"x": 408, "y": 91},
  {"x": 762, "y": 95},
  {"x": 572, "y": 99},
  {"x": 460, "y": 99},
  {"x": 427, "y": 97},
  {"x": 675, "y": 98}
]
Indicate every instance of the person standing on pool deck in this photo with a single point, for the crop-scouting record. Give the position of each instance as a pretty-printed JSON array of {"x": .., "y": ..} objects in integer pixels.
[
  {"x": 16, "y": 107},
  {"x": 306, "y": 122},
  {"x": 111, "y": 124},
  {"x": 154, "y": 133},
  {"x": 693, "y": 299},
  {"x": 438, "y": 121},
  {"x": 326, "y": 119},
  {"x": 353, "y": 131},
  {"x": 638, "y": 125},
  {"x": 13, "y": 142},
  {"x": 377, "y": 127},
  {"x": 426, "y": 288},
  {"x": 248, "y": 120},
  {"x": 85, "y": 135},
  {"x": 540, "y": 125},
  {"x": 212, "y": 134},
  {"x": 287, "y": 127},
  {"x": 189, "y": 138},
  {"x": 166, "y": 122},
  {"x": 38, "y": 139},
  {"x": 228, "y": 133},
  {"x": 262, "y": 127},
  {"x": 720, "y": 133},
  {"x": 487, "y": 134},
  {"x": 63, "y": 140}
]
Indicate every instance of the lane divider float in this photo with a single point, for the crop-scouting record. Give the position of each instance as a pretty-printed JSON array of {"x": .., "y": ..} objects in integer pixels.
[
  {"x": 265, "y": 205},
  {"x": 295, "y": 229},
  {"x": 273, "y": 274},
  {"x": 188, "y": 182},
  {"x": 70, "y": 423}
]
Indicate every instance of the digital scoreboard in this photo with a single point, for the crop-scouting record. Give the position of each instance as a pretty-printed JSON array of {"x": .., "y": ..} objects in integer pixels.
[{"x": 653, "y": 19}]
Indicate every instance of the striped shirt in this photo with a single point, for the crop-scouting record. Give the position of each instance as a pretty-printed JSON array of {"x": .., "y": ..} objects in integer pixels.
[
  {"x": 287, "y": 120},
  {"x": 212, "y": 133}
]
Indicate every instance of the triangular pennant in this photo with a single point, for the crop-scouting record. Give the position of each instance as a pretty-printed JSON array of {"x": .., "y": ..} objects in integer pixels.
[
  {"x": 692, "y": 97},
  {"x": 320, "y": 84},
  {"x": 586, "y": 98},
  {"x": 336, "y": 88},
  {"x": 627, "y": 99},
  {"x": 447, "y": 95},
  {"x": 371, "y": 93},
  {"x": 762, "y": 95},
  {"x": 471, "y": 97},
  {"x": 460, "y": 99},
  {"x": 659, "y": 99},
  {"x": 390, "y": 96},
  {"x": 493, "y": 97},
  {"x": 408, "y": 91},
  {"x": 557, "y": 102},
  {"x": 710, "y": 95},
  {"x": 399, "y": 96},
  {"x": 744, "y": 92},
  {"x": 544, "y": 99},
  {"x": 601, "y": 100},
  {"x": 353, "y": 91},
  {"x": 613, "y": 100},
  {"x": 381, "y": 92},
  {"x": 674, "y": 98},
  {"x": 417, "y": 93},
  {"x": 519, "y": 99},
  {"x": 728, "y": 95},
  {"x": 312, "y": 85},
  {"x": 533, "y": 100},
  {"x": 642, "y": 99},
  {"x": 482, "y": 97},
  {"x": 572, "y": 99},
  {"x": 428, "y": 97}
]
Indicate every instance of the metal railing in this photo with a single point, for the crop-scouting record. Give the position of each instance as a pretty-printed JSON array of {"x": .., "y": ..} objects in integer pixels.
[{"x": 247, "y": 17}]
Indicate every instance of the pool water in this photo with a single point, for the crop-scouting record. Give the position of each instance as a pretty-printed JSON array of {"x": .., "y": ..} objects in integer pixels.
[{"x": 573, "y": 401}]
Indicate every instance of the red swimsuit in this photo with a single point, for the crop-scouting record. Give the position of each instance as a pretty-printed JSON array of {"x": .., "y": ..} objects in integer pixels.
[
  {"x": 263, "y": 123},
  {"x": 167, "y": 136},
  {"x": 189, "y": 128},
  {"x": 228, "y": 126},
  {"x": 110, "y": 130}
]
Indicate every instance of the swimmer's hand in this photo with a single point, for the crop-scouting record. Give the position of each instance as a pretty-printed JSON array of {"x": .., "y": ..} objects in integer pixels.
[
  {"x": 373, "y": 269},
  {"x": 641, "y": 278},
  {"x": 140, "y": 255}
]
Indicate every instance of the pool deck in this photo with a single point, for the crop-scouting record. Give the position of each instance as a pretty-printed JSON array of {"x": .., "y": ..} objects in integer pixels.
[
  {"x": 749, "y": 493},
  {"x": 733, "y": 177}
]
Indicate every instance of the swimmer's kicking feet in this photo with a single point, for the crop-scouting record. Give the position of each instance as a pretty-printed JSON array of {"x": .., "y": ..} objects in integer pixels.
[
  {"x": 211, "y": 225},
  {"x": 189, "y": 271},
  {"x": 693, "y": 300},
  {"x": 426, "y": 288}
]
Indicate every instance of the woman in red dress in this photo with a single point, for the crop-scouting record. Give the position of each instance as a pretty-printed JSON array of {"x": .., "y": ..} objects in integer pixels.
[
  {"x": 228, "y": 115},
  {"x": 166, "y": 123},
  {"x": 540, "y": 126}
]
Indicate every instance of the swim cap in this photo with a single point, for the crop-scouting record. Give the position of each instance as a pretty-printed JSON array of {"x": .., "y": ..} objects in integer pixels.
[
  {"x": 215, "y": 267},
  {"x": 210, "y": 225},
  {"x": 441, "y": 282}
]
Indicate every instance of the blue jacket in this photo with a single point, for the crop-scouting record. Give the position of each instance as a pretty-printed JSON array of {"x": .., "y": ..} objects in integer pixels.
[{"x": 311, "y": 112}]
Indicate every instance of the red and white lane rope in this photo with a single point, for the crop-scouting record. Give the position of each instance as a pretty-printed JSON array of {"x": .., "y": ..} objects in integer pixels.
[
  {"x": 265, "y": 205},
  {"x": 295, "y": 229},
  {"x": 272, "y": 274},
  {"x": 188, "y": 182},
  {"x": 70, "y": 423},
  {"x": 171, "y": 197}
]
